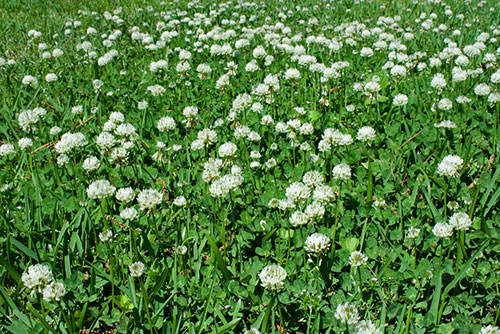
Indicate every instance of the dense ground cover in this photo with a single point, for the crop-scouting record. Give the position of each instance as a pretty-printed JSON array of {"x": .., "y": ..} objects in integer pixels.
[{"x": 250, "y": 167}]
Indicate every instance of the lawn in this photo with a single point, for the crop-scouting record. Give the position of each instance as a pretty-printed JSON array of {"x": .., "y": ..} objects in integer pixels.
[{"x": 249, "y": 167}]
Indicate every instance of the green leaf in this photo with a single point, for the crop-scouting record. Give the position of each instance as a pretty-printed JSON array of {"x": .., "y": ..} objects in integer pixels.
[
  {"x": 221, "y": 264},
  {"x": 350, "y": 244},
  {"x": 227, "y": 327},
  {"x": 24, "y": 249},
  {"x": 314, "y": 115},
  {"x": 12, "y": 272}
]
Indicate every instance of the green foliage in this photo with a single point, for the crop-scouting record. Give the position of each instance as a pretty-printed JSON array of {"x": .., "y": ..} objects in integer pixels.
[{"x": 340, "y": 175}]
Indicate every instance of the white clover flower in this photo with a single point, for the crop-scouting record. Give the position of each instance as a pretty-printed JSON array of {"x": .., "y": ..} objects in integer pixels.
[
  {"x": 57, "y": 53},
  {"x": 190, "y": 113},
  {"x": 125, "y": 195},
  {"x": 62, "y": 159},
  {"x": 453, "y": 205},
  {"x": 315, "y": 210},
  {"x": 398, "y": 71},
  {"x": 442, "y": 230},
  {"x": 366, "y": 134},
  {"x": 490, "y": 329},
  {"x": 294, "y": 124},
  {"x": 300, "y": 110},
  {"x": 379, "y": 203},
  {"x": 495, "y": 77},
  {"x": 271, "y": 163},
  {"x": 116, "y": 117},
  {"x": 105, "y": 140},
  {"x": 54, "y": 291},
  {"x": 181, "y": 250},
  {"x": 255, "y": 155},
  {"x": 91, "y": 163},
  {"x": 317, "y": 243},
  {"x": 412, "y": 232},
  {"x": 30, "y": 80},
  {"x": 100, "y": 189},
  {"x": 137, "y": 269},
  {"x": 166, "y": 123},
  {"x": 297, "y": 191},
  {"x": 207, "y": 136},
  {"x": 255, "y": 164},
  {"x": 218, "y": 188},
  {"x": 197, "y": 145},
  {"x": 180, "y": 201},
  {"x": 366, "y": 327},
  {"x": 227, "y": 149},
  {"x": 27, "y": 119},
  {"x": 313, "y": 178},
  {"x": 400, "y": 100},
  {"x": 126, "y": 130},
  {"x": 149, "y": 198},
  {"x": 482, "y": 89},
  {"x": 347, "y": 314},
  {"x": 55, "y": 130},
  {"x": 306, "y": 129},
  {"x": 69, "y": 141},
  {"x": 345, "y": 140},
  {"x": 252, "y": 331},
  {"x": 445, "y": 124},
  {"x": 366, "y": 52},
  {"x": 272, "y": 277},
  {"x": 298, "y": 218},
  {"x": 156, "y": 66},
  {"x": 357, "y": 259},
  {"x": 203, "y": 70},
  {"x": 305, "y": 146},
  {"x": 494, "y": 97},
  {"x": 342, "y": 172},
  {"x": 372, "y": 88},
  {"x": 458, "y": 75},
  {"x": 462, "y": 60},
  {"x": 445, "y": 104},
  {"x": 106, "y": 235},
  {"x": 463, "y": 99},
  {"x": 25, "y": 143},
  {"x": 142, "y": 105},
  {"x": 6, "y": 149},
  {"x": 77, "y": 110},
  {"x": 128, "y": 214},
  {"x": 281, "y": 127},
  {"x": 438, "y": 82},
  {"x": 284, "y": 204},
  {"x": 252, "y": 66},
  {"x": 259, "y": 52},
  {"x": 37, "y": 276},
  {"x": 292, "y": 74},
  {"x": 51, "y": 77},
  {"x": 323, "y": 194},
  {"x": 157, "y": 90},
  {"x": 450, "y": 166},
  {"x": 460, "y": 221}
]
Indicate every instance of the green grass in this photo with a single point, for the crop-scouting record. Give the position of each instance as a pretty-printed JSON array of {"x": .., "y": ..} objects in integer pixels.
[{"x": 195, "y": 265}]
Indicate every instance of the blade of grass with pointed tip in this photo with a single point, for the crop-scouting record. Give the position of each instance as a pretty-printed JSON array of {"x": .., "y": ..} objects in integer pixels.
[
  {"x": 436, "y": 297},
  {"x": 460, "y": 276},
  {"x": 267, "y": 314},
  {"x": 491, "y": 184},
  {"x": 434, "y": 211},
  {"x": 221, "y": 264},
  {"x": 24, "y": 249},
  {"x": 12, "y": 272},
  {"x": 227, "y": 327}
]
